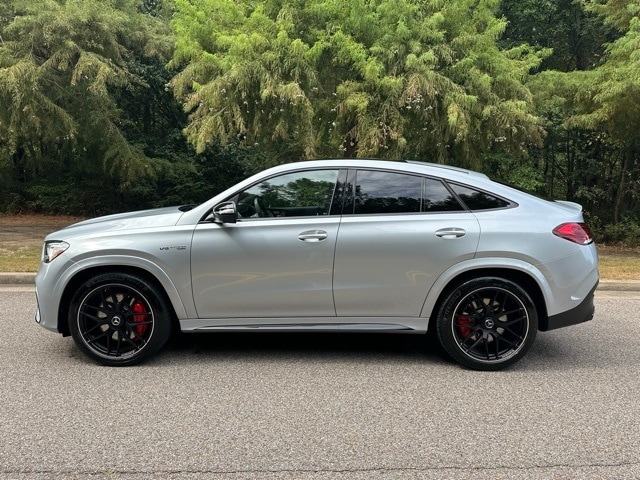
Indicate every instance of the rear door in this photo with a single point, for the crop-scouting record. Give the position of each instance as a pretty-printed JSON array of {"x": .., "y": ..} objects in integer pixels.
[{"x": 398, "y": 233}]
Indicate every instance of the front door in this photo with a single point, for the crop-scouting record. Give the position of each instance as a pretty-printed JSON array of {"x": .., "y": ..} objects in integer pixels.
[{"x": 277, "y": 260}]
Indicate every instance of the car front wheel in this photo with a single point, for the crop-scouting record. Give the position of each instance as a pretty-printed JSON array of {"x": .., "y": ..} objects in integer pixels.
[
  {"x": 119, "y": 319},
  {"x": 487, "y": 323}
]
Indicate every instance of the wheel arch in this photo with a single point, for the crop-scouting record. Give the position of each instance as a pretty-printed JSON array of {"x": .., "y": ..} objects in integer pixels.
[
  {"x": 522, "y": 278},
  {"x": 82, "y": 276}
]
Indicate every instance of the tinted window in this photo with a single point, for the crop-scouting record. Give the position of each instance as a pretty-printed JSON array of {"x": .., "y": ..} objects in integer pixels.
[
  {"x": 291, "y": 195},
  {"x": 478, "y": 200},
  {"x": 387, "y": 192},
  {"x": 437, "y": 198}
]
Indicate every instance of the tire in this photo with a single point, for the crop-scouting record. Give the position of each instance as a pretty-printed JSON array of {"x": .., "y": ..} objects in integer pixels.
[
  {"x": 119, "y": 319},
  {"x": 487, "y": 323}
]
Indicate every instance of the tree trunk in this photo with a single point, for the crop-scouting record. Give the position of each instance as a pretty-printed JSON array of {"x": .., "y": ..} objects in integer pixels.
[{"x": 622, "y": 184}]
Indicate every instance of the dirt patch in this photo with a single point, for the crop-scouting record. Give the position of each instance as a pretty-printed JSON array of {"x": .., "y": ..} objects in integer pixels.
[
  {"x": 28, "y": 230},
  {"x": 619, "y": 263},
  {"x": 619, "y": 251}
]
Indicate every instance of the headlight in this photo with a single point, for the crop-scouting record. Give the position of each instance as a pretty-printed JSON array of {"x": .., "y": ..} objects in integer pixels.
[{"x": 53, "y": 249}]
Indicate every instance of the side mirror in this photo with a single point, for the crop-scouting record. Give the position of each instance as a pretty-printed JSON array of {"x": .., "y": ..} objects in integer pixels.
[{"x": 226, "y": 212}]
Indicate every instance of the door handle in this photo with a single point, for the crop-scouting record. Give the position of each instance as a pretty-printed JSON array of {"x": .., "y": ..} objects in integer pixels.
[
  {"x": 451, "y": 232},
  {"x": 313, "y": 236}
]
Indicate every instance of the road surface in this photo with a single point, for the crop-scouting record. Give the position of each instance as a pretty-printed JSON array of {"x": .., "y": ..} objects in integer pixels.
[{"x": 285, "y": 406}]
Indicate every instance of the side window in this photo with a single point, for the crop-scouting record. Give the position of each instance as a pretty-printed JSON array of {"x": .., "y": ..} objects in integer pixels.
[
  {"x": 437, "y": 198},
  {"x": 478, "y": 200},
  {"x": 308, "y": 193},
  {"x": 389, "y": 192},
  {"x": 386, "y": 192}
]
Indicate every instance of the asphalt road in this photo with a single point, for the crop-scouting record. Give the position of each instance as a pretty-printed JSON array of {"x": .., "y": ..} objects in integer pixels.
[{"x": 286, "y": 406}]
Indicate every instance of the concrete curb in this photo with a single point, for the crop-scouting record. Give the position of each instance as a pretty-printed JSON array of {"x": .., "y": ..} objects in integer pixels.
[
  {"x": 25, "y": 278},
  {"x": 619, "y": 285},
  {"x": 17, "y": 278}
]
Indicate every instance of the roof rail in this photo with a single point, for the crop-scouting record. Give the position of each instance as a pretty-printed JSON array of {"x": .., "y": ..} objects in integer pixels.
[{"x": 448, "y": 167}]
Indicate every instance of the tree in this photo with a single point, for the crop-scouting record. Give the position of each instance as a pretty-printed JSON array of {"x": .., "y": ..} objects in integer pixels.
[
  {"x": 583, "y": 157},
  {"x": 599, "y": 108},
  {"x": 611, "y": 102},
  {"x": 421, "y": 78},
  {"x": 63, "y": 65},
  {"x": 575, "y": 35}
]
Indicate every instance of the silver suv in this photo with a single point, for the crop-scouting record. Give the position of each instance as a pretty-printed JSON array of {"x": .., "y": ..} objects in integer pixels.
[{"x": 331, "y": 245}]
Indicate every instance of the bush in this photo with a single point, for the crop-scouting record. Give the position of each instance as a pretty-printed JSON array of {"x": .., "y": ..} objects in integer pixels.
[{"x": 626, "y": 233}]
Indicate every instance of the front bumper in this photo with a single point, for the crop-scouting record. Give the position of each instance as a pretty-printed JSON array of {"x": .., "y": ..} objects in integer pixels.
[
  {"x": 42, "y": 320},
  {"x": 47, "y": 299}
]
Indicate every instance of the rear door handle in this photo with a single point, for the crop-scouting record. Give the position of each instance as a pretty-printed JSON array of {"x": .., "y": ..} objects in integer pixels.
[
  {"x": 451, "y": 232},
  {"x": 313, "y": 236}
]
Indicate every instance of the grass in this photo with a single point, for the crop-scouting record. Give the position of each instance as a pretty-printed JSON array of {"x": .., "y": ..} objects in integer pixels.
[
  {"x": 19, "y": 258},
  {"x": 21, "y": 238},
  {"x": 619, "y": 264},
  {"x": 615, "y": 263}
]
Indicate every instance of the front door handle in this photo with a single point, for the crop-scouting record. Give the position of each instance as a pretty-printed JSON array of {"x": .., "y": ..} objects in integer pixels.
[
  {"x": 451, "y": 232},
  {"x": 313, "y": 236}
]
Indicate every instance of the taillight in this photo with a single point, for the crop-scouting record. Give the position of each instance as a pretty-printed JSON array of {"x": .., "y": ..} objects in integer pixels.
[{"x": 574, "y": 232}]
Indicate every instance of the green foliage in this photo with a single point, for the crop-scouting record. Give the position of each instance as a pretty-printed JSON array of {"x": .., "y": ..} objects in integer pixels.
[
  {"x": 206, "y": 175},
  {"x": 618, "y": 13},
  {"x": 524, "y": 174},
  {"x": 626, "y": 232},
  {"x": 543, "y": 94},
  {"x": 613, "y": 89},
  {"x": 174, "y": 183},
  {"x": 575, "y": 35},
  {"x": 367, "y": 78},
  {"x": 62, "y": 66},
  {"x": 590, "y": 107}
]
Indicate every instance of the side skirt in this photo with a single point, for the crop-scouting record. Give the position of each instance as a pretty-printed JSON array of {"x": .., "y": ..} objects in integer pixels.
[{"x": 412, "y": 325}]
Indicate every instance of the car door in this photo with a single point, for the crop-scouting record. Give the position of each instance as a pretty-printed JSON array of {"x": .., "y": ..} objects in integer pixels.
[
  {"x": 277, "y": 259},
  {"x": 398, "y": 233}
]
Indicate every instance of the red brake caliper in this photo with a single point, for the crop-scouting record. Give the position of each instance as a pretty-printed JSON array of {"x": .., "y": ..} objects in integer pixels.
[
  {"x": 460, "y": 322},
  {"x": 141, "y": 317}
]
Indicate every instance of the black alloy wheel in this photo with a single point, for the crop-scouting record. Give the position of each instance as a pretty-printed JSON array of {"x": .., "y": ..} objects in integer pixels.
[
  {"x": 119, "y": 319},
  {"x": 487, "y": 323}
]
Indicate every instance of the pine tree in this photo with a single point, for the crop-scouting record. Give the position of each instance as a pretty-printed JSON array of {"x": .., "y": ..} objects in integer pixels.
[
  {"x": 387, "y": 78},
  {"x": 61, "y": 62}
]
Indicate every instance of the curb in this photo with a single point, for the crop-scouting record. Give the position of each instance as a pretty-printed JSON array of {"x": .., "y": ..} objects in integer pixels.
[
  {"x": 619, "y": 285},
  {"x": 17, "y": 278},
  {"x": 27, "y": 278}
]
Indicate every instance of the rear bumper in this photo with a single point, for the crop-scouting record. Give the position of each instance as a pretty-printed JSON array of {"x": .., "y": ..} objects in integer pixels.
[{"x": 579, "y": 314}]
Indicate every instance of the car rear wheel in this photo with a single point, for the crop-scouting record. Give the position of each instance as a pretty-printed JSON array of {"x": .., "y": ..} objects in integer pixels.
[
  {"x": 119, "y": 319},
  {"x": 487, "y": 323}
]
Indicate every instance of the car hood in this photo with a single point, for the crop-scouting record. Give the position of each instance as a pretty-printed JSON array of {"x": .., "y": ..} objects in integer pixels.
[{"x": 159, "y": 217}]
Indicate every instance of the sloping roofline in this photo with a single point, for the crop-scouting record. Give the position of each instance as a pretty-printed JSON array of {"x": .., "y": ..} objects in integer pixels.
[{"x": 448, "y": 167}]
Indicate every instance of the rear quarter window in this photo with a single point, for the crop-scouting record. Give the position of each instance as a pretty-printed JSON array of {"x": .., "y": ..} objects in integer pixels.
[{"x": 478, "y": 199}]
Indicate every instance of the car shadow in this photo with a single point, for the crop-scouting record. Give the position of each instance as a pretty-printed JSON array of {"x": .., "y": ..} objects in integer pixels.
[
  {"x": 311, "y": 346},
  {"x": 552, "y": 351}
]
